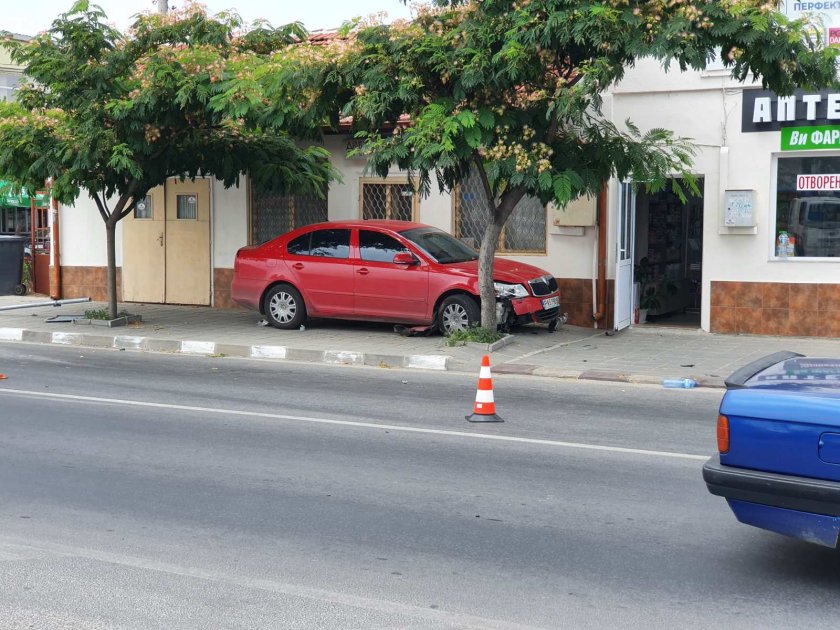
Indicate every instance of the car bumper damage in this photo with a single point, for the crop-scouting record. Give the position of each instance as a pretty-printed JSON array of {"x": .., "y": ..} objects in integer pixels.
[
  {"x": 800, "y": 507},
  {"x": 527, "y": 310}
]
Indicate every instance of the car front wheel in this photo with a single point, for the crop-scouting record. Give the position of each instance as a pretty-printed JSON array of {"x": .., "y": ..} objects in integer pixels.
[
  {"x": 458, "y": 312},
  {"x": 284, "y": 307}
]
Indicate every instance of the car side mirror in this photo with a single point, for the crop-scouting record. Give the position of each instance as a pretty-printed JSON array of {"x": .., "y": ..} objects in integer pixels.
[{"x": 405, "y": 258}]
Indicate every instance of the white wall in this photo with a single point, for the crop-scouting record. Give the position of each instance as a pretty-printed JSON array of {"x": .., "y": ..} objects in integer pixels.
[
  {"x": 229, "y": 221},
  {"x": 82, "y": 233}
]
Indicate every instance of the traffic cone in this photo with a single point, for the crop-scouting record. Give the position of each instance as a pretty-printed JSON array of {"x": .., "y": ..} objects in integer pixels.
[{"x": 484, "y": 409}]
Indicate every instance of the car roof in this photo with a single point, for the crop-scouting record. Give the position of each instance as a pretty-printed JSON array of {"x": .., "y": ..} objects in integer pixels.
[{"x": 395, "y": 226}]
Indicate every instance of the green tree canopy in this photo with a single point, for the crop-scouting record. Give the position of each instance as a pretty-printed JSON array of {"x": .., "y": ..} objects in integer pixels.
[
  {"x": 514, "y": 91},
  {"x": 115, "y": 114}
]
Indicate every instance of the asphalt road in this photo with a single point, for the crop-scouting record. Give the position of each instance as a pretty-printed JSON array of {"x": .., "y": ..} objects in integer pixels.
[{"x": 155, "y": 491}]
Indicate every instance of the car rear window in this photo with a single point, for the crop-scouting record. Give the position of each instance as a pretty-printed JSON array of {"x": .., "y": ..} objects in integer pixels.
[
  {"x": 799, "y": 372},
  {"x": 322, "y": 243}
]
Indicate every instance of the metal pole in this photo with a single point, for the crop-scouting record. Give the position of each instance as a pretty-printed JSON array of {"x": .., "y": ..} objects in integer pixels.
[{"x": 56, "y": 303}]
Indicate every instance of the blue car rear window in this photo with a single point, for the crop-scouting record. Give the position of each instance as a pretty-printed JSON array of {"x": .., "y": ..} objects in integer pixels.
[{"x": 798, "y": 373}]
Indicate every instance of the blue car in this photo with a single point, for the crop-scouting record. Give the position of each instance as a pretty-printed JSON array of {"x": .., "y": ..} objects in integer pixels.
[{"x": 778, "y": 439}]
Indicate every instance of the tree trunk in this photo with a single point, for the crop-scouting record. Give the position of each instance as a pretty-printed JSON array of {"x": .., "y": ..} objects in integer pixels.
[
  {"x": 111, "y": 233},
  {"x": 163, "y": 6},
  {"x": 498, "y": 216},
  {"x": 487, "y": 293}
]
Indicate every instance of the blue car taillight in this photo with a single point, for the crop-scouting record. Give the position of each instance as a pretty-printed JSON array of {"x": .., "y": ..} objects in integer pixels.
[{"x": 723, "y": 434}]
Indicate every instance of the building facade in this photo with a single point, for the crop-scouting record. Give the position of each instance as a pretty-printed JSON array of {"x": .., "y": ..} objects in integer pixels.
[{"x": 711, "y": 261}]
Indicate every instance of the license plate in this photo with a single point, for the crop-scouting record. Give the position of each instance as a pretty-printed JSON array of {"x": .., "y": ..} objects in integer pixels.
[{"x": 552, "y": 302}]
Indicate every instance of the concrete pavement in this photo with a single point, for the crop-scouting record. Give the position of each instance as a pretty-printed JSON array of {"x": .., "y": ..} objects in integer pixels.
[{"x": 642, "y": 354}]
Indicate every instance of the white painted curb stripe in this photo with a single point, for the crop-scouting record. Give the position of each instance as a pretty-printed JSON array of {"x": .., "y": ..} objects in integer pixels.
[
  {"x": 66, "y": 339},
  {"x": 11, "y": 334},
  {"x": 268, "y": 352},
  {"x": 129, "y": 342},
  {"x": 351, "y": 423},
  {"x": 198, "y": 347},
  {"x": 343, "y": 357},
  {"x": 426, "y": 361}
]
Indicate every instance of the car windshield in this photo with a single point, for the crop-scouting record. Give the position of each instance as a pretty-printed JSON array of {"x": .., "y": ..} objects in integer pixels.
[
  {"x": 824, "y": 215},
  {"x": 442, "y": 247}
]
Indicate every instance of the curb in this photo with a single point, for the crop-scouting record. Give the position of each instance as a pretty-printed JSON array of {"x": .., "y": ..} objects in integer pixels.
[
  {"x": 437, "y": 362},
  {"x": 213, "y": 349}
]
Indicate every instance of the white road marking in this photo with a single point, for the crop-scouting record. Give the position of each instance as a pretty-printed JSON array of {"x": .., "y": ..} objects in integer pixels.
[
  {"x": 352, "y": 423},
  {"x": 272, "y": 586}
]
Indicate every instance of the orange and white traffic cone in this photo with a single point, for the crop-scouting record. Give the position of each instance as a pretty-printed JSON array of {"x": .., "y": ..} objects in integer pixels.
[{"x": 484, "y": 409}]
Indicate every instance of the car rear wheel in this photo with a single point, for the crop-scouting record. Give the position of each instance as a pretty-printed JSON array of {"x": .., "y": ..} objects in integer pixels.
[
  {"x": 284, "y": 307},
  {"x": 458, "y": 312}
]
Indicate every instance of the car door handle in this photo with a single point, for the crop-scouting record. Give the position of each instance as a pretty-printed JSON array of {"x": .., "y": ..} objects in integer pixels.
[
  {"x": 298, "y": 266},
  {"x": 363, "y": 271}
]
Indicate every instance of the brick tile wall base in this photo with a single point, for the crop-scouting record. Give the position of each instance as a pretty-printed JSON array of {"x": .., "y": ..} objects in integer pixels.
[
  {"x": 92, "y": 282},
  {"x": 776, "y": 308},
  {"x": 221, "y": 288},
  {"x": 575, "y": 293},
  {"x": 89, "y": 282},
  {"x": 576, "y": 300}
]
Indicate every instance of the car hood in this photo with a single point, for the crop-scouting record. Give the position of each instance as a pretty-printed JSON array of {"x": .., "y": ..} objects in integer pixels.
[{"x": 504, "y": 270}]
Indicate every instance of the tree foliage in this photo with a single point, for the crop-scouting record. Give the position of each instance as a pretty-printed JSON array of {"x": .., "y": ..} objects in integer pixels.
[
  {"x": 515, "y": 89},
  {"x": 181, "y": 94}
]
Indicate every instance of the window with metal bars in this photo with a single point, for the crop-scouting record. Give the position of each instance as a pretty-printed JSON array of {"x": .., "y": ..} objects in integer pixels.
[
  {"x": 273, "y": 214},
  {"x": 381, "y": 199},
  {"x": 524, "y": 232}
]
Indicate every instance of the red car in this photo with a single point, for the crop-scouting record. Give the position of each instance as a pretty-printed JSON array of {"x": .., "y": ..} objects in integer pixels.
[{"x": 386, "y": 271}]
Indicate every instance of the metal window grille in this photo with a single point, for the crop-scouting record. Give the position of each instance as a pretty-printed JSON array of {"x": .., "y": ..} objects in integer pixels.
[
  {"x": 388, "y": 200},
  {"x": 273, "y": 214},
  {"x": 524, "y": 231}
]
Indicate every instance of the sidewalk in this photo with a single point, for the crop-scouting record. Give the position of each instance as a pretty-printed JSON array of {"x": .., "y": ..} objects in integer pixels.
[{"x": 639, "y": 355}]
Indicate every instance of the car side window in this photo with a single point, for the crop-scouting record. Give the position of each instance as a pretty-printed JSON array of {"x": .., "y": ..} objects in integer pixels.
[
  {"x": 300, "y": 245},
  {"x": 378, "y": 247},
  {"x": 330, "y": 244}
]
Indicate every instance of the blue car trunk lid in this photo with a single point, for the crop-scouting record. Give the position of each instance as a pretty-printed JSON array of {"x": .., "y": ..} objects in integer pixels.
[{"x": 790, "y": 430}]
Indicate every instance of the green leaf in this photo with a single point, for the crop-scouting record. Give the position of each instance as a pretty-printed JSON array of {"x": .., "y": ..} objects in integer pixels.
[
  {"x": 81, "y": 6},
  {"x": 562, "y": 189},
  {"x": 486, "y": 118},
  {"x": 466, "y": 118},
  {"x": 473, "y": 137},
  {"x": 545, "y": 180}
]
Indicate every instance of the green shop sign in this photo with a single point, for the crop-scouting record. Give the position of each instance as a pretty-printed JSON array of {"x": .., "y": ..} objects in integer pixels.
[
  {"x": 810, "y": 138},
  {"x": 13, "y": 197}
]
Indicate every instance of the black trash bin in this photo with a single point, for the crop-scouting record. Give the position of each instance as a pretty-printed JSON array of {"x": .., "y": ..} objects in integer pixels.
[{"x": 11, "y": 264}]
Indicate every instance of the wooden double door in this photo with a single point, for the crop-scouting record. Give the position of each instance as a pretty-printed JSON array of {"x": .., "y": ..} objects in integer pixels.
[{"x": 166, "y": 245}]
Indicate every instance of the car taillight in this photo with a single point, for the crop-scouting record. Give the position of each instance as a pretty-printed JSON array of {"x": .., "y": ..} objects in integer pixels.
[{"x": 723, "y": 434}]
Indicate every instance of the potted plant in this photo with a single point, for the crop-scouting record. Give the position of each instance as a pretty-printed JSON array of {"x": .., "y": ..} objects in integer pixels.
[{"x": 651, "y": 288}]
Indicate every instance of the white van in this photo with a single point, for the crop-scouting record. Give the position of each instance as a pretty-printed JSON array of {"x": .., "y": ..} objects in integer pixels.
[{"x": 815, "y": 224}]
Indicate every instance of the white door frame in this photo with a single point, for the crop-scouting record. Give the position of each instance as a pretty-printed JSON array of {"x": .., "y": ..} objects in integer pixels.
[{"x": 625, "y": 238}]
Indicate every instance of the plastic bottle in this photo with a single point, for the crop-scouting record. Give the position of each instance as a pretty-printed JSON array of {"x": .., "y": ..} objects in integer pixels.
[
  {"x": 679, "y": 383},
  {"x": 782, "y": 245}
]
